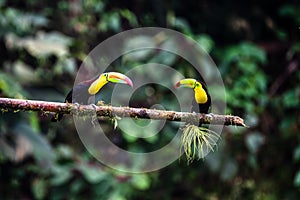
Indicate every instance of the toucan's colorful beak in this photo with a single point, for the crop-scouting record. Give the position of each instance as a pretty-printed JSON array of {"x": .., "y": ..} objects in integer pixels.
[
  {"x": 104, "y": 78},
  {"x": 116, "y": 77},
  {"x": 189, "y": 83}
]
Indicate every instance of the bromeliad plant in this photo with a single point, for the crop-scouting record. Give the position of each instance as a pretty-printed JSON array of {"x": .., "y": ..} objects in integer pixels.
[{"x": 198, "y": 141}]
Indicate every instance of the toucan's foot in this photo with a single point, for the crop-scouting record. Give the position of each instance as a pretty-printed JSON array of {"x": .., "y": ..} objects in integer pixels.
[
  {"x": 77, "y": 110},
  {"x": 94, "y": 116},
  {"x": 211, "y": 115},
  {"x": 77, "y": 105},
  {"x": 115, "y": 121},
  {"x": 94, "y": 120},
  {"x": 94, "y": 106}
]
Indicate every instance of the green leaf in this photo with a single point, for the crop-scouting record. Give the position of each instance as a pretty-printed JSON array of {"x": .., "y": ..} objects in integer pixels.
[
  {"x": 286, "y": 125},
  {"x": 42, "y": 45},
  {"x": 141, "y": 181},
  {"x": 254, "y": 141},
  {"x": 164, "y": 57},
  {"x": 127, "y": 14},
  {"x": 39, "y": 188},
  {"x": 287, "y": 10},
  {"x": 181, "y": 24},
  {"x": 62, "y": 174},
  {"x": 297, "y": 179},
  {"x": 246, "y": 52},
  {"x": 117, "y": 196},
  {"x": 251, "y": 119},
  {"x": 130, "y": 138},
  {"x": 92, "y": 174},
  {"x": 97, "y": 6},
  {"x": 65, "y": 151},
  {"x": 229, "y": 170},
  {"x": 205, "y": 42},
  {"x": 291, "y": 99},
  {"x": 297, "y": 154},
  {"x": 110, "y": 21},
  {"x": 10, "y": 87},
  {"x": 13, "y": 20},
  {"x": 2, "y": 2},
  {"x": 76, "y": 187},
  {"x": 143, "y": 128},
  {"x": 282, "y": 34},
  {"x": 42, "y": 150},
  {"x": 261, "y": 81},
  {"x": 114, "y": 22},
  {"x": 65, "y": 65},
  {"x": 139, "y": 53},
  {"x": 248, "y": 66},
  {"x": 34, "y": 121},
  {"x": 251, "y": 51}
]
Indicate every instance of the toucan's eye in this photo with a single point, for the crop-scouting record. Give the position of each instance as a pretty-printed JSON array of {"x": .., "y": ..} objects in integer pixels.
[
  {"x": 197, "y": 85},
  {"x": 106, "y": 76}
]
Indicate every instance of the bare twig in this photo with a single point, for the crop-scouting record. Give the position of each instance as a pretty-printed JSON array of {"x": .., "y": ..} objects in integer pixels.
[
  {"x": 7, "y": 104},
  {"x": 291, "y": 68}
]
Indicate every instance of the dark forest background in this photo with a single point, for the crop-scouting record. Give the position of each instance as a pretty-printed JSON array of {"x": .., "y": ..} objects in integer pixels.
[{"x": 255, "y": 45}]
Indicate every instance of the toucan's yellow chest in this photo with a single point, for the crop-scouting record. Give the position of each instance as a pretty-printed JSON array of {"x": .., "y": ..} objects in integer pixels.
[{"x": 200, "y": 95}]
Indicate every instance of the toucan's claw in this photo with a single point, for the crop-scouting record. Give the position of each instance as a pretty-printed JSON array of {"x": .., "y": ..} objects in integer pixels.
[
  {"x": 77, "y": 109},
  {"x": 115, "y": 121},
  {"x": 94, "y": 120},
  {"x": 94, "y": 106},
  {"x": 211, "y": 115},
  {"x": 94, "y": 117},
  {"x": 78, "y": 105}
]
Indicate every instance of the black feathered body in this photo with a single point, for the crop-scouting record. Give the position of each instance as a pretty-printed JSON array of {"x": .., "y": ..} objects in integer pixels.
[{"x": 79, "y": 94}]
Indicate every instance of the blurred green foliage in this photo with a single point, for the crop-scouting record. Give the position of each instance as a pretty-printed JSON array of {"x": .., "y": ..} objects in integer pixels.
[{"x": 256, "y": 48}]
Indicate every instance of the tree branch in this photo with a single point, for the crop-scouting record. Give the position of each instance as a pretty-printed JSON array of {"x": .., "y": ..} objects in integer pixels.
[{"x": 7, "y": 104}]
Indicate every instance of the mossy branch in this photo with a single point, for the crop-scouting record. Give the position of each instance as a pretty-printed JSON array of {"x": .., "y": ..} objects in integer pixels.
[{"x": 8, "y": 104}]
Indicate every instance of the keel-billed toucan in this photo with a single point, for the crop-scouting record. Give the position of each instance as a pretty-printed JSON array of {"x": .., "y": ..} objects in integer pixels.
[
  {"x": 85, "y": 89},
  {"x": 201, "y": 102}
]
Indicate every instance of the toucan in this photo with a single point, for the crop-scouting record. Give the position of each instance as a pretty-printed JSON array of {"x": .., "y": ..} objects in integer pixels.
[
  {"x": 202, "y": 101},
  {"x": 84, "y": 90}
]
